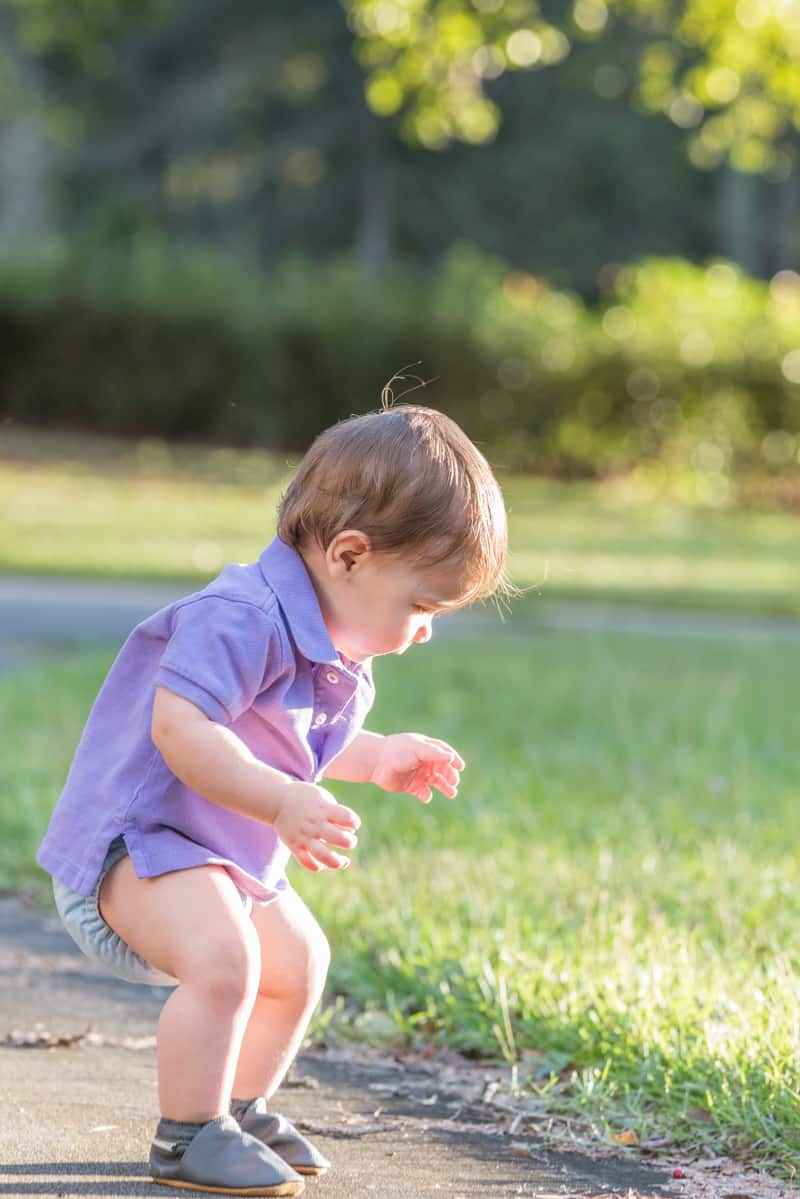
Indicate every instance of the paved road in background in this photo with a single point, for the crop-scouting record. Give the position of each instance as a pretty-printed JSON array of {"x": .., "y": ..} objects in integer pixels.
[{"x": 37, "y": 611}]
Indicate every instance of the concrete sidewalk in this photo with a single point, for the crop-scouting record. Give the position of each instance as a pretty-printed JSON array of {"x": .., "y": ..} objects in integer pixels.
[
  {"x": 76, "y": 1118},
  {"x": 52, "y": 610}
]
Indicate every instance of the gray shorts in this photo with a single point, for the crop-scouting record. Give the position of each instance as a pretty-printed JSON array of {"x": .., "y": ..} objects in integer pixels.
[{"x": 81, "y": 918}]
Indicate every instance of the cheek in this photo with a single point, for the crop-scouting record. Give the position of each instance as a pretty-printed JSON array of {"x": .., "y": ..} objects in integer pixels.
[{"x": 397, "y": 628}]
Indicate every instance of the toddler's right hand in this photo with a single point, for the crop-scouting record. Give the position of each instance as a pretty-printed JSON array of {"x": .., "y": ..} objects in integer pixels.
[{"x": 310, "y": 820}]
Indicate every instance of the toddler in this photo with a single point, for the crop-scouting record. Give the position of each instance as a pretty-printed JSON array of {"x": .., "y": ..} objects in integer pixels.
[{"x": 199, "y": 772}]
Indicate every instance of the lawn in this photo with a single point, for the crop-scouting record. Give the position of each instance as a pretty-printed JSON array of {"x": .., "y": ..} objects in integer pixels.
[
  {"x": 612, "y": 900},
  {"x": 90, "y": 506}
]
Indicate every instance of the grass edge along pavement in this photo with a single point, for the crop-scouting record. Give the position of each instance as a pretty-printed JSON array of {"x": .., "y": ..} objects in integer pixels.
[
  {"x": 610, "y": 903},
  {"x": 466, "y": 1119},
  {"x": 92, "y": 507}
]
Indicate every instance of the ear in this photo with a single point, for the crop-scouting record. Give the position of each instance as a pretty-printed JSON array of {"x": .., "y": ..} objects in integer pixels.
[{"x": 347, "y": 553}]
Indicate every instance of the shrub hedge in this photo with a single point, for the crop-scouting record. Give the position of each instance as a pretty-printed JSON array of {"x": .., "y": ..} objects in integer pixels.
[{"x": 696, "y": 365}]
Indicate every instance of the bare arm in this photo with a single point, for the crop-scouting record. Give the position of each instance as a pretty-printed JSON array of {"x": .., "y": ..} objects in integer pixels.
[
  {"x": 356, "y": 763},
  {"x": 217, "y": 764},
  {"x": 407, "y": 762}
]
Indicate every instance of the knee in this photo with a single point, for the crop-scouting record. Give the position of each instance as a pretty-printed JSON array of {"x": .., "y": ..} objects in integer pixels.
[
  {"x": 228, "y": 969},
  {"x": 301, "y": 980},
  {"x": 318, "y": 964}
]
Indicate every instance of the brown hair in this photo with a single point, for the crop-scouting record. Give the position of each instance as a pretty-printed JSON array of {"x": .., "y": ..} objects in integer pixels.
[{"x": 409, "y": 479}]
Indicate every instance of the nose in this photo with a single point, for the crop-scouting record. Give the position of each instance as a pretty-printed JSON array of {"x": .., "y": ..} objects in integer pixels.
[{"x": 424, "y": 631}]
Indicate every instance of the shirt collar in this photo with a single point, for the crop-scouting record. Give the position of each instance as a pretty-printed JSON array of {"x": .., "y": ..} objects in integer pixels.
[{"x": 285, "y": 572}]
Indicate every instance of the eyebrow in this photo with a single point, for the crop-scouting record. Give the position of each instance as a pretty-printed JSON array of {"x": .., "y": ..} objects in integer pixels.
[{"x": 435, "y": 603}]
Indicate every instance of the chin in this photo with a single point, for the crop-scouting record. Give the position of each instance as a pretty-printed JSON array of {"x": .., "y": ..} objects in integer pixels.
[
  {"x": 357, "y": 653},
  {"x": 361, "y": 653},
  {"x": 385, "y": 650}
]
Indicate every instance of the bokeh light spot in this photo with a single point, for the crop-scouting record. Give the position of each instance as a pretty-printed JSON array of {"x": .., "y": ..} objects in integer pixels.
[
  {"x": 722, "y": 85},
  {"x": 524, "y": 48},
  {"x": 697, "y": 348},
  {"x": 791, "y": 366},
  {"x": 619, "y": 323},
  {"x": 591, "y": 16},
  {"x": 784, "y": 287}
]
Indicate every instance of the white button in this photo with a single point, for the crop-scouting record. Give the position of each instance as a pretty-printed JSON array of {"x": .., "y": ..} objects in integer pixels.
[
  {"x": 332, "y": 676},
  {"x": 319, "y": 719}
]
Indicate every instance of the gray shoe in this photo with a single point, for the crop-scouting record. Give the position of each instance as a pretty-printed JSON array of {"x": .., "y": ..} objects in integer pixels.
[
  {"x": 224, "y": 1159},
  {"x": 282, "y": 1138}
]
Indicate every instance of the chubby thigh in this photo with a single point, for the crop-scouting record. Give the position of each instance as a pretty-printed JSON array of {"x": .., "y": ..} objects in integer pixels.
[
  {"x": 183, "y": 923},
  {"x": 190, "y": 924}
]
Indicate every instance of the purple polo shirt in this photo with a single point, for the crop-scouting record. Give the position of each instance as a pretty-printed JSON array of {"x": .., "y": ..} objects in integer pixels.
[{"x": 252, "y": 651}]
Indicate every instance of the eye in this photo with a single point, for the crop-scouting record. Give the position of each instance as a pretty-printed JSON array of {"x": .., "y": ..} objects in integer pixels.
[{"x": 423, "y": 609}]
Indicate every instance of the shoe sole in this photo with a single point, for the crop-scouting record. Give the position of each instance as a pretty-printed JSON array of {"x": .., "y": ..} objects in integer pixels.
[
  {"x": 282, "y": 1188},
  {"x": 314, "y": 1171}
]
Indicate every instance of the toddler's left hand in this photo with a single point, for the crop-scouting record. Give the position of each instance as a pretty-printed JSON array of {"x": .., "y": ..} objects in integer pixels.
[{"x": 412, "y": 763}]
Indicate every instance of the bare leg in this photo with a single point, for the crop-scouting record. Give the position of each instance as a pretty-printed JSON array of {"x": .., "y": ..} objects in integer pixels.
[
  {"x": 295, "y": 957},
  {"x": 191, "y": 924}
]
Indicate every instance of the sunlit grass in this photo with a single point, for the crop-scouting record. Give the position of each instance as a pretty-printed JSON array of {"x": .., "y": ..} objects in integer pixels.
[
  {"x": 617, "y": 880},
  {"x": 89, "y": 506}
]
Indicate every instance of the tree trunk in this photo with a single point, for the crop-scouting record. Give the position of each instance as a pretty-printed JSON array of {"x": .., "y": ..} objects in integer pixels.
[
  {"x": 784, "y": 230},
  {"x": 374, "y": 232},
  {"x": 28, "y": 157},
  {"x": 740, "y": 219}
]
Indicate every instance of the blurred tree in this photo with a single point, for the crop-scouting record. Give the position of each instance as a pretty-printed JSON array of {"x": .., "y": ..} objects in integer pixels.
[
  {"x": 248, "y": 127},
  {"x": 725, "y": 69},
  {"x": 247, "y": 124},
  {"x": 26, "y": 149},
  {"x": 84, "y": 29}
]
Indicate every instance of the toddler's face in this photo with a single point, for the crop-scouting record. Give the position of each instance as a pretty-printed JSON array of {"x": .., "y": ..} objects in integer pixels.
[{"x": 387, "y": 604}]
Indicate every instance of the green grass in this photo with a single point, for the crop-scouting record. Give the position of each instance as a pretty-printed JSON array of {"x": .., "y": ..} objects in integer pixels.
[
  {"x": 89, "y": 506},
  {"x": 612, "y": 899}
]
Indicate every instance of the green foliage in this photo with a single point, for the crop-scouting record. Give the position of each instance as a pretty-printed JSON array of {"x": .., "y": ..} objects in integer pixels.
[
  {"x": 83, "y": 28},
  {"x": 711, "y": 364},
  {"x": 729, "y": 74},
  {"x": 727, "y": 70},
  {"x": 430, "y": 60},
  {"x": 690, "y": 365}
]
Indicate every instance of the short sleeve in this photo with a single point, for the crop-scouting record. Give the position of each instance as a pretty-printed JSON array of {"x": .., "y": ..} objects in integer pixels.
[{"x": 221, "y": 654}]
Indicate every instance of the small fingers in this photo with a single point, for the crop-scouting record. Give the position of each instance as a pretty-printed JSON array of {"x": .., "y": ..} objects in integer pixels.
[
  {"x": 455, "y": 758},
  {"x": 344, "y": 817},
  {"x": 306, "y": 861},
  {"x": 318, "y": 856},
  {"x": 334, "y": 834},
  {"x": 322, "y": 853},
  {"x": 448, "y": 776},
  {"x": 444, "y": 779}
]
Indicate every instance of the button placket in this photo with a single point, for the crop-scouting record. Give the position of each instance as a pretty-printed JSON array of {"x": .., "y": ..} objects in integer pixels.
[{"x": 336, "y": 704}]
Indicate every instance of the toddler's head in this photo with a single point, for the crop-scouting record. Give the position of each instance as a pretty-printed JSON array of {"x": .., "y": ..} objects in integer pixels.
[{"x": 401, "y": 498}]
